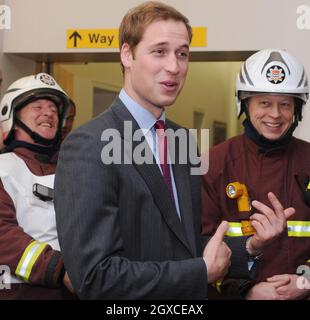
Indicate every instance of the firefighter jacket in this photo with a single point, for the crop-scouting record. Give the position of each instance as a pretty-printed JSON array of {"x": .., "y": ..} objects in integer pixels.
[
  {"x": 285, "y": 172},
  {"x": 28, "y": 239}
]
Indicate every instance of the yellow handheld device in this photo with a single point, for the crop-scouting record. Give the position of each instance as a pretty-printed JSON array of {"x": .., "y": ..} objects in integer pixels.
[{"x": 239, "y": 191}]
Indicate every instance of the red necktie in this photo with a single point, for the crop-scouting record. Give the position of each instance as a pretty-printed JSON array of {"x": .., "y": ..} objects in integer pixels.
[{"x": 163, "y": 154}]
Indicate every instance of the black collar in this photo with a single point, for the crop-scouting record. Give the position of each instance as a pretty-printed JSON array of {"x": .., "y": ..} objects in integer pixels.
[
  {"x": 48, "y": 152},
  {"x": 266, "y": 144}
]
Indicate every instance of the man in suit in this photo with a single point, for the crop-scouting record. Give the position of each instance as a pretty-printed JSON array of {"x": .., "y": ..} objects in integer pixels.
[{"x": 131, "y": 230}]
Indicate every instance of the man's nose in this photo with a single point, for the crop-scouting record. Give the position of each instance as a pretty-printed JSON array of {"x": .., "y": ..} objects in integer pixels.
[
  {"x": 172, "y": 64},
  {"x": 48, "y": 111},
  {"x": 275, "y": 111}
]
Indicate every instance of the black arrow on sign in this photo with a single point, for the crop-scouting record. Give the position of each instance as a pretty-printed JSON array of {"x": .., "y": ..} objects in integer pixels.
[{"x": 75, "y": 35}]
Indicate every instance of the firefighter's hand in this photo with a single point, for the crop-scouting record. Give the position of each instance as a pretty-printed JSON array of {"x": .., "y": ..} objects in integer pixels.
[
  {"x": 263, "y": 291},
  {"x": 291, "y": 286},
  {"x": 280, "y": 287},
  {"x": 217, "y": 255},
  {"x": 269, "y": 223},
  {"x": 67, "y": 283}
]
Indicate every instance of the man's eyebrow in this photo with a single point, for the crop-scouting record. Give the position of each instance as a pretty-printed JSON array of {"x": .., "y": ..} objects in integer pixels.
[
  {"x": 158, "y": 44},
  {"x": 163, "y": 44},
  {"x": 186, "y": 46}
]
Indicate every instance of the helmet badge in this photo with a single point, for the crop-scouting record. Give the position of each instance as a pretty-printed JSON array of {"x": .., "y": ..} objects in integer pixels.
[
  {"x": 46, "y": 79},
  {"x": 275, "y": 74}
]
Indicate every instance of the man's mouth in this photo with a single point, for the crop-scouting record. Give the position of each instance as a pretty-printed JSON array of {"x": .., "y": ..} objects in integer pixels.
[
  {"x": 46, "y": 125},
  {"x": 169, "y": 85},
  {"x": 272, "y": 125}
]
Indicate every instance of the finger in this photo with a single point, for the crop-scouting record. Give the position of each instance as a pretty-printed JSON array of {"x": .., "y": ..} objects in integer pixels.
[
  {"x": 275, "y": 214},
  {"x": 220, "y": 232},
  {"x": 276, "y": 204},
  {"x": 279, "y": 284},
  {"x": 278, "y": 208},
  {"x": 226, "y": 250},
  {"x": 265, "y": 210},
  {"x": 279, "y": 280},
  {"x": 274, "y": 278},
  {"x": 259, "y": 228},
  {"x": 260, "y": 206},
  {"x": 289, "y": 212},
  {"x": 281, "y": 290},
  {"x": 260, "y": 219}
]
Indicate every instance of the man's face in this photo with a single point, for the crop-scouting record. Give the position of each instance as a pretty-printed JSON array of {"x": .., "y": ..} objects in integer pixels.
[
  {"x": 155, "y": 73},
  {"x": 68, "y": 122},
  {"x": 41, "y": 116},
  {"x": 271, "y": 115}
]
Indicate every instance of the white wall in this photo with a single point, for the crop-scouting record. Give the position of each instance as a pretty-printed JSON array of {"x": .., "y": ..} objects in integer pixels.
[
  {"x": 40, "y": 25},
  {"x": 12, "y": 67}
]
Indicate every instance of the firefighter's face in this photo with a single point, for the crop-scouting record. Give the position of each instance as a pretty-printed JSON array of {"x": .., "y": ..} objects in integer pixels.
[
  {"x": 271, "y": 115},
  {"x": 41, "y": 116}
]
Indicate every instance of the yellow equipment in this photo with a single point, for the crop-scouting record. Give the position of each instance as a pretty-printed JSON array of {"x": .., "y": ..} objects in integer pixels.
[{"x": 237, "y": 190}]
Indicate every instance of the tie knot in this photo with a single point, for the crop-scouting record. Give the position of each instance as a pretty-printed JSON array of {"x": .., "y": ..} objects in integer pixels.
[{"x": 159, "y": 124}]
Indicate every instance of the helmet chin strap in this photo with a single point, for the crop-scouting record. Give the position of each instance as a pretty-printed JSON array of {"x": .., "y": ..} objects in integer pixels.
[{"x": 36, "y": 137}]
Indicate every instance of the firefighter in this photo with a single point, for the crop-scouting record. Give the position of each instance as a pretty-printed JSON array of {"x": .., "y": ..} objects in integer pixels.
[
  {"x": 271, "y": 91},
  {"x": 31, "y": 115}
]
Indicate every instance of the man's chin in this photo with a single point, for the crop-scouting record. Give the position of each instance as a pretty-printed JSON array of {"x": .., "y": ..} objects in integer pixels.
[
  {"x": 46, "y": 135},
  {"x": 273, "y": 137},
  {"x": 167, "y": 102}
]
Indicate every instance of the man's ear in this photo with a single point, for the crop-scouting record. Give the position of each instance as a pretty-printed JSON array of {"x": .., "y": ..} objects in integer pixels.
[{"x": 126, "y": 55}]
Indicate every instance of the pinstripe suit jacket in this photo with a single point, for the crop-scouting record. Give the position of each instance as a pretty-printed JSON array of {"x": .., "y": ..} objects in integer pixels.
[{"x": 118, "y": 228}]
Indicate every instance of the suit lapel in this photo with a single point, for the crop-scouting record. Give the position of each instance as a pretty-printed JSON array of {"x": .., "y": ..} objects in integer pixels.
[
  {"x": 182, "y": 181},
  {"x": 153, "y": 178}
]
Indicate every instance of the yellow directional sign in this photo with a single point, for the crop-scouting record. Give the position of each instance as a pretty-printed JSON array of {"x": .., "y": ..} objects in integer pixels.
[
  {"x": 108, "y": 38},
  {"x": 199, "y": 37},
  {"x": 92, "y": 38}
]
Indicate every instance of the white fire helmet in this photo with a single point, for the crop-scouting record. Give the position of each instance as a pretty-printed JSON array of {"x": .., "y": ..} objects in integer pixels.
[
  {"x": 27, "y": 89},
  {"x": 271, "y": 71}
]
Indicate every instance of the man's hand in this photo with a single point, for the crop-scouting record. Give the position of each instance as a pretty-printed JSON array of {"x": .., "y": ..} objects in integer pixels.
[
  {"x": 217, "y": 255},
  {"x": 269, "y": 223},
  {"x": 278, "y": 287},
  {"x": 286, "y": 286},
  {"x": 263, "y": 291}
]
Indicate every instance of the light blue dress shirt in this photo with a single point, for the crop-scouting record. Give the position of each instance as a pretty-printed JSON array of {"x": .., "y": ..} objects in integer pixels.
[{"x": 146, "y": 122}]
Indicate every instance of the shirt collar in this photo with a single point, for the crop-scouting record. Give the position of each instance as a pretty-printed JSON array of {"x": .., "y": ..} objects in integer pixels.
[{"x": 144, "y": 118}]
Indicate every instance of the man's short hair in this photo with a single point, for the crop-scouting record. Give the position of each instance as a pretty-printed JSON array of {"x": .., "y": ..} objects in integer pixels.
[{"x": 139, "y": 18}]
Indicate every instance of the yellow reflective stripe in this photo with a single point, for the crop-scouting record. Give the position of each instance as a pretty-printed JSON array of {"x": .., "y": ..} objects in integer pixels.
[
  {"x": 298, "y": 228},
  {"x": 308, "y": 186},
  {"x": 308, "y": 260},
  {"x": 28, "y": 259},
  {"x": 234, "y": 229}
]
